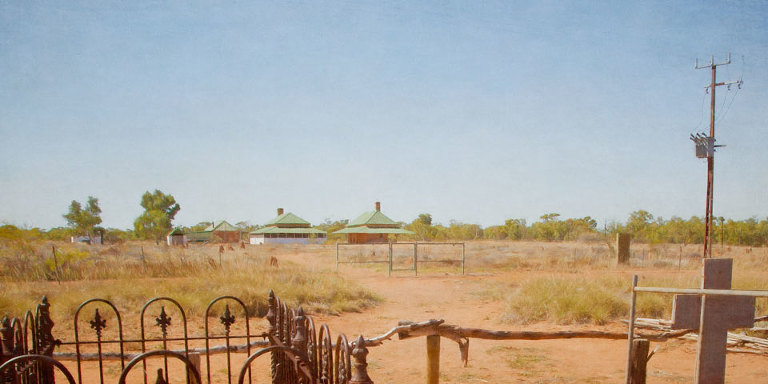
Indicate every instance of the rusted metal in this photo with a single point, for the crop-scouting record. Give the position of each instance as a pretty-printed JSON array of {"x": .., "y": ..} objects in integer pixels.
[
  {"x": 360, "y": 353},
  {"x": 298, "y": 352}
]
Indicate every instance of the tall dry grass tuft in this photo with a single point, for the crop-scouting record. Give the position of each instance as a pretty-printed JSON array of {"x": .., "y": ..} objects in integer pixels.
[{"x": 565, "y": 300}]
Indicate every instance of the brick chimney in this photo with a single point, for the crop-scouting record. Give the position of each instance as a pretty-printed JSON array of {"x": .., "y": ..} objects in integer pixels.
[
  {"x": 279, "y": 211},
  {"x": 378, "y": 206}
]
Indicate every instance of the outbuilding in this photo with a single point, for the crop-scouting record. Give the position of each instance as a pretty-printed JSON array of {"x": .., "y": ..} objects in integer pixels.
[
  {"x": 372, "y": 227},
  {"x": 287, "y": 228},
  {"x": 223, "y": 232},
  {"x": 177, "y": 237}
]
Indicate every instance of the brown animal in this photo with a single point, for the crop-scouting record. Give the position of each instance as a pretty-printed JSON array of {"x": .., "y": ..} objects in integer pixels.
[
  {"x": 229, "y": 248},
  {"x": 221, "y": 249},
  {"x": 273, "y": 261},
  {"x": 242, "y": 245}
]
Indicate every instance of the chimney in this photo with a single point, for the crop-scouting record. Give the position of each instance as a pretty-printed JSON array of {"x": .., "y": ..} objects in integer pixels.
[
  {"x": 279, "y": 211},
  {"x": 378, "y": 206}
]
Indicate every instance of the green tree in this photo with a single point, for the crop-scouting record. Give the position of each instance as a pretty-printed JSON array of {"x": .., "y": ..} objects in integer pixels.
[
  {"x": 425, "y": 218},
  {"x": 639, "y": 224},
  {"x": 159, "y": 211},
  {"x": 516, "y": 229},
  {"x": 422, "y": 227},
  {"x": 83, "y": 221}
]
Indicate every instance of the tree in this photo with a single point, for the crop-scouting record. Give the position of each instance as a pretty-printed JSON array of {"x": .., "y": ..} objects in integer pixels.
[
  {"x": 422, "y": 227},
  {"x": 83, "y": 221},
  {"x": 425, "y": 218},
  {"x": 159, "y": 211},
  {"x": 516, "y": 228}
]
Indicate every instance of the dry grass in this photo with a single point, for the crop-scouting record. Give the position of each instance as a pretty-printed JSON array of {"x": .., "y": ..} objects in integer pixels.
[
  {"x": 580, "y": 283},
  {"x": 192, "y": 276},
  {"x": 566, "y": 282}
]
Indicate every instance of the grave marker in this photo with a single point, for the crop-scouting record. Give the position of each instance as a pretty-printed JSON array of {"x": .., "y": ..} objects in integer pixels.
[{"x": 713, "y": 316}]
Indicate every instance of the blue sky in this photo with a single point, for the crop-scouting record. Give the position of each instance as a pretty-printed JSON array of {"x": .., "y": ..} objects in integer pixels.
[{"x": 471, "y": 111}]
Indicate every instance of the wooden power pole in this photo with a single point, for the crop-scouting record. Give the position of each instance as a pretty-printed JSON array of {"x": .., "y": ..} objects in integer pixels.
[{"x": 706, "y": 147}]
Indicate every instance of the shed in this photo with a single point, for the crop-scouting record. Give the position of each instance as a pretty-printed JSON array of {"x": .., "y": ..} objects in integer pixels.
[
  {"x": 287, "y": 228},
  {"x": 177, "y": 237},
  {"x": 372, "y": 227},
  {"x": 223, "y": 232}
]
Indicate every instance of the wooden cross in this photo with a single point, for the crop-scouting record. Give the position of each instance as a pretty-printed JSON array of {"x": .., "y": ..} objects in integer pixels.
[{"x": 713, "y": 316}]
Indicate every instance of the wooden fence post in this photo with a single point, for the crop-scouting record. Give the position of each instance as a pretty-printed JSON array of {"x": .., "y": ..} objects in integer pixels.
[
  {"x": 433, "y": 359},
  {"x": 416, "y": 258},
  {"x": 640, "y": 349}
]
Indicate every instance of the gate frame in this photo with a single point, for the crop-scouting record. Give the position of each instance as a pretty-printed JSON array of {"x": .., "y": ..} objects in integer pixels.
[{"x": 416, "y": 260}]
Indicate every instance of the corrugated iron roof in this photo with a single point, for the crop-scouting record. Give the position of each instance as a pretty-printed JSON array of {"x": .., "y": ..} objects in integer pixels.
[
  {"x": 222, "y": 226},
  {"x": 287, "y": 230},
  {"x": 372, "y": 218},
  {"x": 363, "y": 229},
  {"x": 288, "y": 219},
  {"x": 176, "y": 231}
]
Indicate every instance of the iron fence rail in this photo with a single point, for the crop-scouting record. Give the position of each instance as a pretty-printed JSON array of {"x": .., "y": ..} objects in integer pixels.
[{"x": 298, "y": 352}]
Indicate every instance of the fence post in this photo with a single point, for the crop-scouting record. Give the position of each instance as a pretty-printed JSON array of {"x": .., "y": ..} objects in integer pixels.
[
  {"x": 55, "y": 263},
  {"x": 433, "y": 359},
  {"x": 360, "y": 353},
  {"x": 337, "y": 256},
  {"x": 272, "y": 330},
  {"x": 6, "y": 347},
  {"x": 45, "y": 340},
  {"x": 416, "y": 257},
  {"x": 630, "y": 333},
  {"x": 389, "y": 271},
  {"x": 640, "y": 349}
]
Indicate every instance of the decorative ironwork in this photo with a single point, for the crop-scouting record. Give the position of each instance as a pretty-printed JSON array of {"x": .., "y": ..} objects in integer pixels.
[
  {"x": 360, "y": 353},
  {"x": 98, "y": 323},
  {"x": 227, "y": 319},
  {"x": 163, "y": 321},
  {"x": 298, "y": 353}
]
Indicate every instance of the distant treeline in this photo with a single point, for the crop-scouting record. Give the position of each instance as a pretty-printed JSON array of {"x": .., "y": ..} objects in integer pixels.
[{"x": 642, "y": 225}]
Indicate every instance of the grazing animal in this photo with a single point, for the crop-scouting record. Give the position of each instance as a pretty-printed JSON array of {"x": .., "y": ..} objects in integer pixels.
[{"x": 273, "y": 262}]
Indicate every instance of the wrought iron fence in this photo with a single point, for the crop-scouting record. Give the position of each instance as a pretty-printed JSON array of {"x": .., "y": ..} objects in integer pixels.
[{"x": 298, "y": 351}]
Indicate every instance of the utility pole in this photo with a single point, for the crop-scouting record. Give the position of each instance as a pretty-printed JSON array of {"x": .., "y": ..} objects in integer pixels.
[{"x": 705, "y": 145}]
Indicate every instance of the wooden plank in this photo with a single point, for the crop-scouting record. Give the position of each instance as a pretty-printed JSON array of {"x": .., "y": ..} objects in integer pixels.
[
  {"x": 717, "y": 274},
  {"x": 731, "y": 311}
]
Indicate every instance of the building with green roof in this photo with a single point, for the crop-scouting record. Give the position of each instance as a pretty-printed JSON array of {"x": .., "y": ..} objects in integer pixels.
[
  {"x": 223, "y": 232},
  {"x": 372, "y": 227},
  {"x": 176, "y": 237},
  {"x": 287, "y": 228}
]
